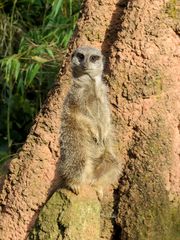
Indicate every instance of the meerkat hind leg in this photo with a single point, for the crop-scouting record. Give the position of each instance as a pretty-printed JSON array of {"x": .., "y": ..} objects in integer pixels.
[{"x": 106, "y": 173}]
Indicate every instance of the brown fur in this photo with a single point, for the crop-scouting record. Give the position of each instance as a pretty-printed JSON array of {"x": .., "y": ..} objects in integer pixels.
[{"x": 86, "y": 132}]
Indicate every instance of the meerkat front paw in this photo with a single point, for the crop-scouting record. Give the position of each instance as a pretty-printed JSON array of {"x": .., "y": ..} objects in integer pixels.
[{"x": 75, "y": 188}]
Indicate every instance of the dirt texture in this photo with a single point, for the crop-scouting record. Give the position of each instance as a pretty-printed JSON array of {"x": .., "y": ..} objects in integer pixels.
[
  {"x": 145, "y": 82},
  {"x": 33, "y": 175},
  {"x": 141, "y": 41}
]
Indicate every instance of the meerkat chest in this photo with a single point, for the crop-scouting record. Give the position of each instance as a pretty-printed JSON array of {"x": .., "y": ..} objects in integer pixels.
[
  {"x": 97, "y": 102},
  {"x": 98, "y": 107},
  {"x": 93, "y": 103}
]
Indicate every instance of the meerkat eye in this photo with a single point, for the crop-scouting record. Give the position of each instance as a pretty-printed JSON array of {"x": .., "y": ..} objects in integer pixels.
[
  {"x": 80, "y": 56},
  {"x": 94, "y": 58}
]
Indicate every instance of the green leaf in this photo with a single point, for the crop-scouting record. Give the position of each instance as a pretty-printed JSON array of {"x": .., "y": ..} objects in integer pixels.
[
  {"x": 50, "y": 52},
  {"x": 32, "y": 72},
  {"x": 20, "y": 85},
  {"x": 17, "y": 70},
  {"x": 39, "y": 59},
  {"x": 56, "y": 7}
]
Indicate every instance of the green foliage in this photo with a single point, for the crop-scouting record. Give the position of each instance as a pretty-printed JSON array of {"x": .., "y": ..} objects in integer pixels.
[
  {"x": 171, "y": 8},
  {"x": 34, "y": 35}
]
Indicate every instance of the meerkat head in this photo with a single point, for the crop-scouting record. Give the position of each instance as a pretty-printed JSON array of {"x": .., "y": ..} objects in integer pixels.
[{"x": 87, "y": 60}]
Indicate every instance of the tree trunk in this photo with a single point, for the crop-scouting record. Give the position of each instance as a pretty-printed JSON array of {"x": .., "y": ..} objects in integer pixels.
[{"x": 141, "y": 40}]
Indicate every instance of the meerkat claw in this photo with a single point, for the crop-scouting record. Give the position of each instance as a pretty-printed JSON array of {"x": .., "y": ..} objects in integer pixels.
[
  {"x": 99, "y": 192},
  {"x": 75, "y": 189}
]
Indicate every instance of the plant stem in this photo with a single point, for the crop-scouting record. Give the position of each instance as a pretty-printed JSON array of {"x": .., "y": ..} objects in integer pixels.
[
  {"x": 8, "y": 125},
  {"x": 11, "y": 29}
]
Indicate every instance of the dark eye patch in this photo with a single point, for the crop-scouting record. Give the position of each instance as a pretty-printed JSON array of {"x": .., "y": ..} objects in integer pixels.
[
  {"x": 94, "y": 58},
  {"x": 80, "y": 56}
]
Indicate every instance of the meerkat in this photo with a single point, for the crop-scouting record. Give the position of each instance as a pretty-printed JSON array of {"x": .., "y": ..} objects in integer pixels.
[{"x": 87, "y": 155}]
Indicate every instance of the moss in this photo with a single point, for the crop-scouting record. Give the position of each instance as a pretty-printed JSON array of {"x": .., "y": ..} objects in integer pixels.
[
  {"x": 136, "y": 86},
  {"x": 157, "y": 211},
  {"x": 151, "y": 214},
  {"x": 171, "y": 8},
  {"x": 164, "y": 225},
  {"x": 159, "y": 142},
  {"x": 153, "y": 84},
  {"x": 47, "y": 226},
  {"x": 66, "y": 216},
  {"x": 175, "y": 226}
]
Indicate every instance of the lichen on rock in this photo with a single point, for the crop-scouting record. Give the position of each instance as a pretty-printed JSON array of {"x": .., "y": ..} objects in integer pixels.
[{"x": 67, "y": 216}]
